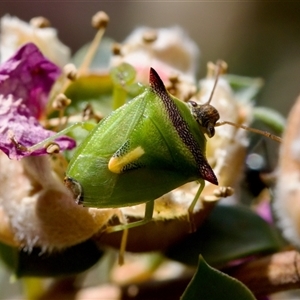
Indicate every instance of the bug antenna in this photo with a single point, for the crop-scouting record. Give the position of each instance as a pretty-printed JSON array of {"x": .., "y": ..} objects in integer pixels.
[
  {"x": 220, "y": 67},
  {"x": 258, "y": 131}
]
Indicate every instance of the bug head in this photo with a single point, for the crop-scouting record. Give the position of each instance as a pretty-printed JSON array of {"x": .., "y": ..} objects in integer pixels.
[{"x": 206, "y": 115}]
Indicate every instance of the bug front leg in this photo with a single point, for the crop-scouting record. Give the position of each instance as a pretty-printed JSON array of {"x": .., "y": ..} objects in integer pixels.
[
  {"x": 211, "y": 199},
  {"x": 192, "y": 206},
  {"x": 208, "y": 202},
  {"x": 124, "y": 238},
  {"x": 125, "y": 226},
  {"x": 147, "y": 218}
]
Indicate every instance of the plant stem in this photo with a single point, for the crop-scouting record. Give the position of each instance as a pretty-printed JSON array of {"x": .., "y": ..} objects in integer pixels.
[
  {"x": 119, "y": 97},
  {"x": 33, "y": 287},
  {"x": 270, "y": 274}
]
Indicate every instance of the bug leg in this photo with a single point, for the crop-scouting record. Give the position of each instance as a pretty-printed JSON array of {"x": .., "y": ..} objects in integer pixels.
[
  {"x": 45, "y": 143},
  {"x": 123, "y": 244},
  {"x": 192, "y": 206},
  {"x": 147, "y": 218}
]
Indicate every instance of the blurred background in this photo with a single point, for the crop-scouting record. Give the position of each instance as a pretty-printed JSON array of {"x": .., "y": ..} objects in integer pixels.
[{"x": 257, "y": 39}]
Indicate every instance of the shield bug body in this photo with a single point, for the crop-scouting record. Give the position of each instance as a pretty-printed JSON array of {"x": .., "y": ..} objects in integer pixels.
[{"x": 141, "y": 151}]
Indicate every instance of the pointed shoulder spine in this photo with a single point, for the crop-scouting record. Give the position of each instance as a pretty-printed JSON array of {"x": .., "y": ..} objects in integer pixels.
[
  {"x": 156, "y": 83},
  {"x": 181, "y": 127}
]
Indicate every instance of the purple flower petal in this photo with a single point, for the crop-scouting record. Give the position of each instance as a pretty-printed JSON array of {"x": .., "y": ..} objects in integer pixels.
[
  {"x": 29, "y": 76},
  {"x": 18, "y": 126},
  {"x": 25, "y": 82},
  {"x": 264, "y": 210}
]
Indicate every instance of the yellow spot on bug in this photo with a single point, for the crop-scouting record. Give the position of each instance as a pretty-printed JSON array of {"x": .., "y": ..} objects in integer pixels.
[{"x": 117, "y": 163}]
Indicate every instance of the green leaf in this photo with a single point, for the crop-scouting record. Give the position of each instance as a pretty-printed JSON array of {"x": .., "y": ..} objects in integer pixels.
[
  {"x": 245, "y": 88},
  {"x": 93, "y": 89},
  {"x": 230, "y": 232},
  {"x": 9, "y": 255},
  {"x": 69, "y": 261},
  {"x": 271, "y": 118},
  {"x": 211, "y": 284},
  {"x": 96, "y": 90}
]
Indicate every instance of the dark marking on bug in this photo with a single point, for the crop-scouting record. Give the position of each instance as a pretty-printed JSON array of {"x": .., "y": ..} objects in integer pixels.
[
  {"x": 122, "y": 150},
  {"x": 181, "y": 127},
  {"x": 131, "y": 166},
  {"x": 76, "y": 189}
]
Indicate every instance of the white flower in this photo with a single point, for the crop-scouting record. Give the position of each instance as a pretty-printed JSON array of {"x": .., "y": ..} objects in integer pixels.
[
  {"x": 15, "y": 33},
  {"x": 167, "y": 50}
]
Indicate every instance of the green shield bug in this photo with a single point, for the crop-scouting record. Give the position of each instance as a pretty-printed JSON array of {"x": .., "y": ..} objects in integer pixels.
[
  {"x": 141, "y": 151},
  {"x": 146, "y": 148}
]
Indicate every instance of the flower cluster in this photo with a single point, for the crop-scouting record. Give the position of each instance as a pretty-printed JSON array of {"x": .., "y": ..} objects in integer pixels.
[
  {"x": 25, "y": 83},
  {"x": 39, "y": 197},
  {"x": 36, "y": 208}
]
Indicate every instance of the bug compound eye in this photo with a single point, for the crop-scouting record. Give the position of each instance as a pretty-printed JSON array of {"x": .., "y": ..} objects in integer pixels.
[
  {"x": 75, "y": 187},
  {"x": 193, "y": 103},
  {"x": 195, "y": 110},
  {"x": 210, "y": 130}
]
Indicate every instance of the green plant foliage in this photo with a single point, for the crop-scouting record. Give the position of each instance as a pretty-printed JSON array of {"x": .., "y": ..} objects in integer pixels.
[
  {"x": 245, "y": 88},
  {"x": 211, "y": 284},
  {"x": 270, "y": 117},
  {"x": 92, "y": 89},
  {"x": 66, "y": 262},
  {"x": 229, "y": 233}
]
